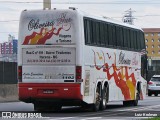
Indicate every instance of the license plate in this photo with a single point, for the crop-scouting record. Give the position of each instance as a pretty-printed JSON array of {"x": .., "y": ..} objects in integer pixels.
[{"x": 48, "y": 91}]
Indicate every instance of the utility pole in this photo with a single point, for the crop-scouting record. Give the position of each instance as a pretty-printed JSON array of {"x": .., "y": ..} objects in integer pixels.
[
  {"x": 46, "y": 4},
  {"x": 128, "y": 17}
]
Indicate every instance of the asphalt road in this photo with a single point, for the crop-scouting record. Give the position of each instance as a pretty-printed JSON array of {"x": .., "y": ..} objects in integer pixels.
[{"x": 149, "y": 107}]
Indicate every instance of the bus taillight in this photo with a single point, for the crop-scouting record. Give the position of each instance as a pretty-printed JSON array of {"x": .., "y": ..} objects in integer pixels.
[
  {"x": 79, "y": 74},
  {"x": 20, "y": 73}
]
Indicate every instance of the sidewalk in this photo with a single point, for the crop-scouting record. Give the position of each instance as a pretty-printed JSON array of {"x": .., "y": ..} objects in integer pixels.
[
  {"x": 9, "y": 99},
  {"x": 8, "y": 92}
]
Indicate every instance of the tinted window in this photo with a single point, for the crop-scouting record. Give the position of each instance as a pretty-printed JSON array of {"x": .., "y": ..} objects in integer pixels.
[
  {"x": 119, "y": 35},
  {"x": 94, "y": 31},
  {"x": 110, "y": 27},
  {"x": 155, "y": 79},
  {"x": 106, "y": 34},
  {"x": 125, "y": 38},
  {"x": 101, "y": 33}
]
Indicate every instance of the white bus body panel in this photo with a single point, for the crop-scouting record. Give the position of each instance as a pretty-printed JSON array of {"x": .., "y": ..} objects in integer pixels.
[
  {"x": 127, "y": 64},
  {"x": 67, "y": 36},
  {"x": 48, "y": 41}
]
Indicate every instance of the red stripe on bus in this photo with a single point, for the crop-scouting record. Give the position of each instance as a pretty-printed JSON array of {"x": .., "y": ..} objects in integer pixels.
[{"x": 60, "y": 91}]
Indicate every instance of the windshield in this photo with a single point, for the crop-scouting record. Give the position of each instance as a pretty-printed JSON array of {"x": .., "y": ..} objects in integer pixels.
[{"x": 155, "y": 79}]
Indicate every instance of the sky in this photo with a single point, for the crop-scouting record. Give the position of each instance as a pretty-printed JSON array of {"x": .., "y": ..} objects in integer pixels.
[{"x": 146, "y": 11}]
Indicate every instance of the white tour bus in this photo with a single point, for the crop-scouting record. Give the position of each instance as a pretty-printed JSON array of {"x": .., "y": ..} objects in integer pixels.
[{"x": 68, "y": 57}]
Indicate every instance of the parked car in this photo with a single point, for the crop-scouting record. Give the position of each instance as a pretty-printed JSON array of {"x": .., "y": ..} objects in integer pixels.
[{"x": 154, "y": 85}]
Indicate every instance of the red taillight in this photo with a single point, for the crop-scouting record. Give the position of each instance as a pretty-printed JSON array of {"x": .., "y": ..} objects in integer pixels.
[
  {"x": 150, "y": 83},
  {"x": 20, "y": 73},
  {"x": 79, "y": 74}
]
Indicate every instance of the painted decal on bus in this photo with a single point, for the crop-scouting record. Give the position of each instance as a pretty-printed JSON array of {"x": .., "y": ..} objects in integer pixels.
[
  {"x": 41, "y": 37},
  {"x": 41, "y": 31},
  {"x": 125, "y": 81}
]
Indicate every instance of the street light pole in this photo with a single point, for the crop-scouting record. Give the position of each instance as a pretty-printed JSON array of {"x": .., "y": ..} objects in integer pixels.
[{"x": 46, "y": 4}]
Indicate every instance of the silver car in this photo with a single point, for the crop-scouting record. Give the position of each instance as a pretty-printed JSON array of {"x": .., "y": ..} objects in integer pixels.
[{"x": 154, "y": 85}]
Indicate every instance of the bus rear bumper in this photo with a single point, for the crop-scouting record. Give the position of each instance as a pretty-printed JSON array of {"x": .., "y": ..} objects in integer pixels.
[{"x": 31, "y": 92}]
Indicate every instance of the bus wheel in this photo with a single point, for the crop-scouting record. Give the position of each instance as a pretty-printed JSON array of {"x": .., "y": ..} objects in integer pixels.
[
  {"x": 135, "y": 102},
  {"x": 126, "y": 103},
  {"x": 156, "y": 94},
  {"x": 149, "y": 94},
  {"x": 96, "y": 105},
  {"x": 104, "y": 99},
  {"x": 39, "y": 107}
]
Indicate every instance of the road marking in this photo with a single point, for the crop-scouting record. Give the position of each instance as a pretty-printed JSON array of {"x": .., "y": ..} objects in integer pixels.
[
  {"x": 62, "y": 118},
  {"x": 99, "y": 113},
  {"x": 122, "y": 111},
  {"x": 92, "y": 118},
  {"x": 141, "y": 108}
]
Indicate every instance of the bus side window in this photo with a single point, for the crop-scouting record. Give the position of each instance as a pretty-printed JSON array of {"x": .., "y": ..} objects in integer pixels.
[
  {"x": 128, "y": 38},
  {"x": 106, "y": 35},
  {"x": 110, "y": 35},
  {"x": 87, "y": 31},
  {"x": 119, "y": 36},
  {"x": 102, "y": 34},
  {"x": 124, "y": 38},
  {"x": 134, "y": 40},
  {"x": 94, "y": 42},
  {"x": 114, "y": 35},
  {"x": 97, "y": 35},
  {"x": 142, "y": 40},
  {"x": 138, "y": 40}
]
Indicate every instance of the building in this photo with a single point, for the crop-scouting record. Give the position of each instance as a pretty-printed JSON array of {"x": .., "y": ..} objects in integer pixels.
[
  {"x": 8, "y": 50},
  {"x": 152, "y": 41}
]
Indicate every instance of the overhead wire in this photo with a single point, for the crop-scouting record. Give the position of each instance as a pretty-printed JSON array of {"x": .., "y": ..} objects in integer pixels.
[
  {"x": 2, "y": 21},
  {"x": 116, "y": 2},
  {"x": 9, "y": 21}
]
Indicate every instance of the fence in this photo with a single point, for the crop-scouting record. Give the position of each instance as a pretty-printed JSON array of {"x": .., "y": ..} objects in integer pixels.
[{"x": 8, "y": 73}]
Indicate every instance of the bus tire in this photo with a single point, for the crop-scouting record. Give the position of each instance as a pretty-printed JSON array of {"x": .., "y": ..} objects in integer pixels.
[
  {"x": 104, "y": 98},
  {"x": 38, "y": 107},
  {"x": 149, "y": 94},
  {"x": 126, "y": 103},
  {"x": 156, "y": 94},
  {"x": 96, "y": 105},
  {"x": 135, "y": 102}
]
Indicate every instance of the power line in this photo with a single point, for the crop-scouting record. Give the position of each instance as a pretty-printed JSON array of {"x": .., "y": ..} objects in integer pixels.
[
  {"x": 3, "y": 21},
  {"x": 141, "y": 16},
  {"x": 8, "y": 32},
  {"x": 9, "y": 21},
  {"x": 107, "y": 3},
  {"x": 111, "y": 17},
  {"x": 117, "y": 2},
  {"x": 17, "y": 2}
]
